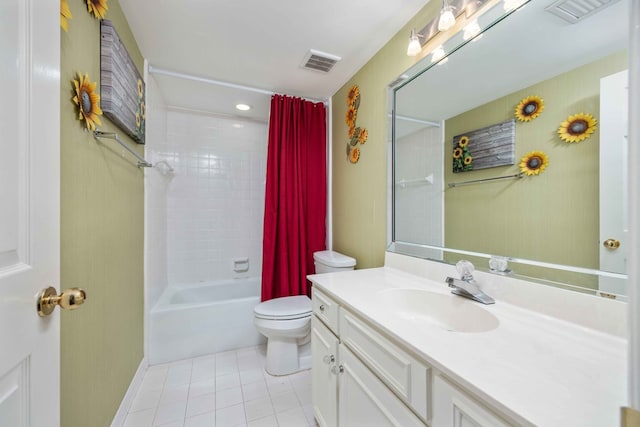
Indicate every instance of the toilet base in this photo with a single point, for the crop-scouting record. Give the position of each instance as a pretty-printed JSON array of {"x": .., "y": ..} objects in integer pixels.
[{"x": 285, "y": 356}]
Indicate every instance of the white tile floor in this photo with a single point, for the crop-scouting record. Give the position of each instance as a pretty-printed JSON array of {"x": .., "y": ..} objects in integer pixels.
[{"x": 222, "y": 390}]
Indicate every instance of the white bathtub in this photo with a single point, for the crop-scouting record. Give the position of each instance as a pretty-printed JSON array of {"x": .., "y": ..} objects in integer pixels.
[{"x": 208, "y": 317}]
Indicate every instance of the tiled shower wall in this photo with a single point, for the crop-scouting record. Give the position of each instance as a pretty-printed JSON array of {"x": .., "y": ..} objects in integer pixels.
[
  {"x": 215, "y": 200},
  {"x": 156, "y": 184},
  {"x": 419, "y": 205}
]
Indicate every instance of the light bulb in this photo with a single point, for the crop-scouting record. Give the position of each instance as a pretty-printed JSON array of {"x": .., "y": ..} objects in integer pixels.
[
  {"x": 512, "y": 4},
  {"x": 447, "y": 20},
  {"x": 471, "y": 30},
  {"x": 437, "y": 54},
  {"x": 414, "y": 47}
]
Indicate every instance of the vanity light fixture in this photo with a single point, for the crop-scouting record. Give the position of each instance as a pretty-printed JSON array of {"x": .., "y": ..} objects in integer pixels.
[
  {"x": 447, "y": 19},
  {"x": 414, "y": 47},
  {"x": 471, "y": 30},
  {"x": 438, "y": 54},
  {"x": 243, "y": 107}
]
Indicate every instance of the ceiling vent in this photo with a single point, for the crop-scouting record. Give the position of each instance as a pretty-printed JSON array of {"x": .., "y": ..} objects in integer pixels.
[
  {"x": 319, "y": 61},
  {"x": 574, "y": 11}
]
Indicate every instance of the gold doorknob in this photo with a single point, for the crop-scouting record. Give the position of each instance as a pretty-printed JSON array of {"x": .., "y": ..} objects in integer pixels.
[
  {"x": 69, "y": 299},
  {"x": 611, "y": 244}
]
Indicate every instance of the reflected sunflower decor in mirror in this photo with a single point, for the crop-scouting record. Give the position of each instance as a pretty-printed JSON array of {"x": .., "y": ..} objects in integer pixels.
[
  {"x": 462, "y": 159},
  {"x": 577, "y": 127},
  {"x": 533, "y": 163},
  {"x": 88, "y": 101},
  {"x": 529, "y": 108},
  {"x": 357, "y": 135}
]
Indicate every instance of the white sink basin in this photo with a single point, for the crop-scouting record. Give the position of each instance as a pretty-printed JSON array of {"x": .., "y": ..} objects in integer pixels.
[{"x": 449, "y": 312}]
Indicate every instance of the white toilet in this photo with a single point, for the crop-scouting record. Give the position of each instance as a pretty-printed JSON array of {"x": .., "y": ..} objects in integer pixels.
[{"x": 286, "y": 321}]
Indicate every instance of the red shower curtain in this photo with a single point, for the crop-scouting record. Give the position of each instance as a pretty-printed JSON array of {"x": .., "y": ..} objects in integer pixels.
[{"x": 296, "y": 196}]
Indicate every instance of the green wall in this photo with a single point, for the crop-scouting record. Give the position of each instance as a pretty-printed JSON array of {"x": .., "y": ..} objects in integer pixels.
[
  {"x": 102, "y": 242},
  {"x": 552, "y": 217},
  {"x": 359, "y": 190}
]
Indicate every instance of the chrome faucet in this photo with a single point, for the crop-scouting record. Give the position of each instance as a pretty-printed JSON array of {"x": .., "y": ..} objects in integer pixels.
[{"x": 467, "y": 286}]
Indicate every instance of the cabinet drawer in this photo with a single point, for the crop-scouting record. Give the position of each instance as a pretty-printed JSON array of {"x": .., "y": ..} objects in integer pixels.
[
  {"x": 403, "y": 374},
  {"x": 326, "y": 309}
]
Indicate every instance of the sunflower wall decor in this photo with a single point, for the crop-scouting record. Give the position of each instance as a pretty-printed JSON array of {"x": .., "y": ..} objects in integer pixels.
[
  {"x": 529, "y": 108},
  {"x": 65, "y": 13},
  {"x": 357, "y": 135},
  {"x": 98, "y": 8},
  {"x": 462, "y": 159},
  {"x": 533, "y": 163},
  {"x": 577, "y": 127},
  {"x": 88, "y": 101}
]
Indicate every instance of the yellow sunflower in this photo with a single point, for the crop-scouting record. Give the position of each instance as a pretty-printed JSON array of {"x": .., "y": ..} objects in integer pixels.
[
  {"x": 65, "y": 13},
  {"x": 533, "y": 163},
  {"x": 352, "y": 131},
  {"x": 354, "y": 155},
  {"x": 529, "y": 108},
  {"x": 577, "y": 127},
  {"x": 351, "y": 115},
  {"x": 138, "y": 119},
  {"x": 143, "y": 110},
  {"x": 362, "y": 135},
  {"x": 87, "y": 101},
  {"x": 457, "y": 153},
  {"x": 464, "y": 140},
  {"x": 140, "y": 89},
  {"x": 352, "y": 95},
  {"x": 468, "y": 160},
  {"x": 98, "y": 8}
]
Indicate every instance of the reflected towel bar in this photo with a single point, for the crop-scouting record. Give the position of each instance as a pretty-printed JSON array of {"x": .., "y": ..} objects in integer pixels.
[
  {"x": 426, "y": 180},
  {"x": 142, "y": 162},
  {"x": 476, "y": 181}
]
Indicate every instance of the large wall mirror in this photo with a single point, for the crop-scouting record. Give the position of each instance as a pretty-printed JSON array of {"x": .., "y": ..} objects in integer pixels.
[{"x": 563, "y": 220}]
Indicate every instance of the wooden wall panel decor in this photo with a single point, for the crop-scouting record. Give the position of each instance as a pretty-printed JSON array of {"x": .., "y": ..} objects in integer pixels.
[
  {"x": 484, "y": 148},
  {"x": 121, "y": 85}
]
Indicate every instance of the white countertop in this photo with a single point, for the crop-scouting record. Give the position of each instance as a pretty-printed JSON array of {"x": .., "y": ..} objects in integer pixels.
[{"x": 536, "y": 369}]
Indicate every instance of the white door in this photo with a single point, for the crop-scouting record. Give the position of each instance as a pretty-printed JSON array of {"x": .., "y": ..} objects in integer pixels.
[
  {"x": 614, "y": 116},
  {"x": 29, "y": 210}
]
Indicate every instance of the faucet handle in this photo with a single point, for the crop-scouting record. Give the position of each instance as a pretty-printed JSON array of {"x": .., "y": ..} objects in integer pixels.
[{"x": 465, "y": 268}]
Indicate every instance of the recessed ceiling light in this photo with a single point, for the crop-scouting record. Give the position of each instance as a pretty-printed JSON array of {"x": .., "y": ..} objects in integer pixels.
[{"x": 243, "y": 107}]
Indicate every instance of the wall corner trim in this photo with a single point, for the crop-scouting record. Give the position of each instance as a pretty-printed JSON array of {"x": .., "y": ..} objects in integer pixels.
[{"x": 130, "y": 395}]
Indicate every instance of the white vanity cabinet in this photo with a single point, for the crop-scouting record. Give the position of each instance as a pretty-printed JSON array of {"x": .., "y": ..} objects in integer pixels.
[
  {"x": 362, "y": 378},
  {"x": 452, "y": 407},
  {"x": 345, "y": 392}
]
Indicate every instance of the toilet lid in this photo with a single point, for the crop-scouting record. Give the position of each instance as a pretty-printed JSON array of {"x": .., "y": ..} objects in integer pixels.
[{"x": 285, "y": 308}]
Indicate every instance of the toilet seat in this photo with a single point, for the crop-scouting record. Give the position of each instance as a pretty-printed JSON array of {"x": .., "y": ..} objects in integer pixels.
[{"x": 284, "y": 308}]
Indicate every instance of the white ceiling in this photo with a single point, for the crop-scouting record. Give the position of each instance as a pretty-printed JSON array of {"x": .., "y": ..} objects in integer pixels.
[{"x": 259, "y": 44}]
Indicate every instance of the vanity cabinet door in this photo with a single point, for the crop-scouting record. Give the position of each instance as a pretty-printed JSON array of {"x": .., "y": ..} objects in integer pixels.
[
  {"x": 453, "y": 408},
  {"x": 324, "y": 383},
  {"x": 364, "y": 400}
]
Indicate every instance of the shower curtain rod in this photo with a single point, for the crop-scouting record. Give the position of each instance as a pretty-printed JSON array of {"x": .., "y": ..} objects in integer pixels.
[{"x": 164, "y": 72}]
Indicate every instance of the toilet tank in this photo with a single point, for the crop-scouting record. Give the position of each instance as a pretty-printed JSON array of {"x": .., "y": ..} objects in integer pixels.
[{"x": 328, "y": 261}]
